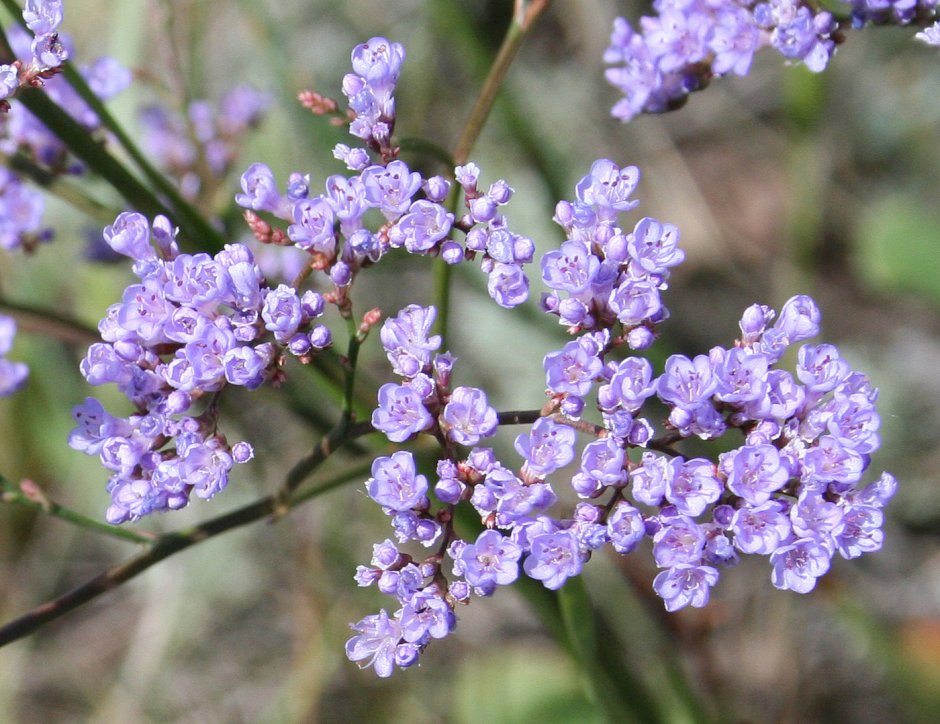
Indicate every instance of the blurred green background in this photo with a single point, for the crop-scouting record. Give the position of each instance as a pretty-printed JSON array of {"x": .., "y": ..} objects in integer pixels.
[{"x": 781, "y": 183}]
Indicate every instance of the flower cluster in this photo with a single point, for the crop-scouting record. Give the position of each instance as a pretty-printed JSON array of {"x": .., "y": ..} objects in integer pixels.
[
  {"x": 12, "y": 374},
  {"x": 332, "y": 226},
  {"x": 44, "y": 52},
  {"x": 792, "y": 490},
  {"x": 686, "y": 44},
  {"x": 609, "y": 276},
  {"x": 193, "y": 325},
  {"x": 204, "y": 144}
]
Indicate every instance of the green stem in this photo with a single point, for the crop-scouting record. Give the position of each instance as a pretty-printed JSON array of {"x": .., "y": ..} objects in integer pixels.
[
  {"x": 344, "y": 430},
  {"x": 30, "y": 496},
  {"x": 524, "y": 16}
]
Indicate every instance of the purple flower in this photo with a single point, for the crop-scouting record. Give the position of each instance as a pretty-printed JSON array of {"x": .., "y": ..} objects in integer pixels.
[
  {"x": 799, "y": 319},
  {"x": 467, "y": 416},
  {"x": 130, "y": 235},
  {"x": 548, "y": 447},
  {"x": 650, "y": 478},
  {"x": 820, "y": 368},
  {"x": 198, "y": 281},
  {"x": 378, "y": 61},
  {"x": 144, "y": 311},
  {"x": 686, "y": 383},
  {"x": 507, "y": 285},
  {"x": 860, "y": 531},
  {"x": 602, "y": 460},
  {"x": 694, "y": 487},
  {"x": 394, "y": 483},
  {"x": 313, "y": 225},
  {"x": 754, "y": 472},
  {"x": 830, "y": 462},
  {"x": 760, "y": 529},
  {"x": 625, "y": 527},
  {"x": 43, "y": 16},
  {"x": 734, "y": 39},
  {"x": 630, "y": 385},
  {"x": 391, "y": 188},
  {"x": 9, "y": 81},
  {"x": 206, "y": 466},
  {"x": 95, "y": 426},
  {"x": 799, "y": 564},
  {"x": 406, "y": 341},
  {"x": 510, "y": 498},
  {"x": 376, "y": 643},
  {"x": 246, "y": 366},
  {"x": 853, "y": 421},
  {"x": 281, "y": 312},
  {"x": 260, "y": 191},
  {"x": 571, "y": 369},
  {"x": 878, "y": 493},
  {"x": 608, "y": 187},
  {"x": 425, "y": 224},
  {"x": 554, "y": 558},
  {"x": 426, "y": 615},
  {"x": 784, "y": 396},
  {"x": 493, "y": 560},
  {"x": 347, "y": 198},
  {"x": 813, "y": 516},
  {"x": 654, "y": 246},
  {"x": 680, "y": 541},
  {"x": 571, "y": 268},
  {"x": 741, "y": 376},
  {"x": 685, "y": 585},
  {"x": 635, "y": 300},
  {"x": 401, "y": 412}
]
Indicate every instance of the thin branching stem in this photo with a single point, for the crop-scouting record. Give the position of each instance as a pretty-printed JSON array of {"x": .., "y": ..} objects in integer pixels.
[
  {"x": 28, "y": 495},
  {"x": 169, "y": 544}
]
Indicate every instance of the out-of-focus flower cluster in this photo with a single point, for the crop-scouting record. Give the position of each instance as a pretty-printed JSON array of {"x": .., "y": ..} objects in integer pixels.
[
  {"x": 24, "y": 135},
  {"x": 791, "y": 491},
  {"x": 193, "y": 325},
  {"x": 334, "y": 226},
  {"x": 203, "y": 143},
  {"x": 689, "y": 42},
  {"x": 12, "y": 374}
]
